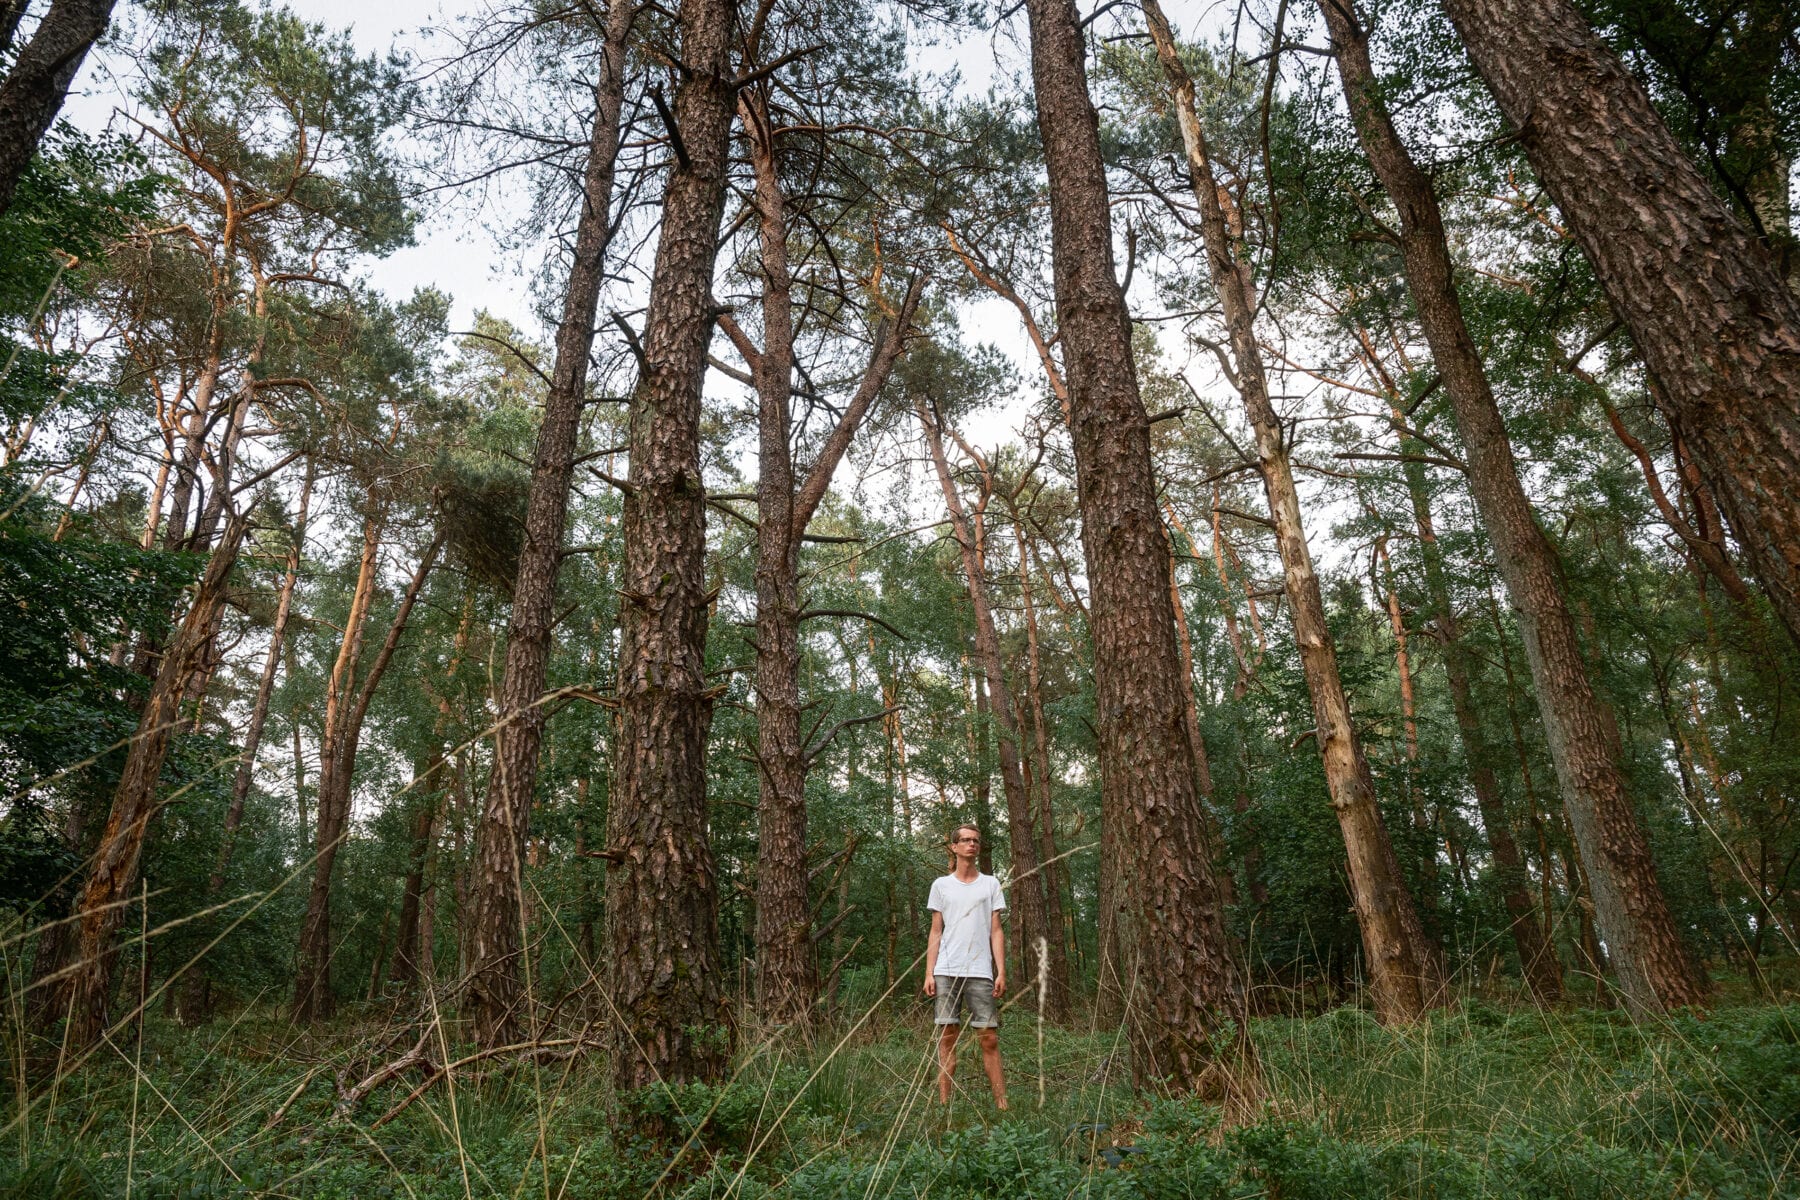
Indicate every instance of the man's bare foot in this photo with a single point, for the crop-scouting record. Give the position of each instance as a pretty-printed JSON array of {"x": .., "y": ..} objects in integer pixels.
[{"x": 1001, "y": 1104}]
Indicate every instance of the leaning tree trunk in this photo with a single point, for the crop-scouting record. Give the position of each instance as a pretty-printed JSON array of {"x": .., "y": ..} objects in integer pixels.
[
  {"x": 1716, "y": 324},
  {"x": 1653, "y": 965},
  {"x": 196, "y": 999},
  {"x": 337, "y": 771},
  {"x": 35, "y": 88},
  {"x": 1405, "y": 976},
  {"x": 1028, "y": 880},
  {"x": 87, "y": 992},
  {"x": 662, "y": 900},
  {"x": 493, "y": 933},
  {"x": 1146, "y": 761}
]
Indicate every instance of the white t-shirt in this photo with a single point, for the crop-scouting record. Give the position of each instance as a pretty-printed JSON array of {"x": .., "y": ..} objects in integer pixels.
[{"x": 968, "y": 910}]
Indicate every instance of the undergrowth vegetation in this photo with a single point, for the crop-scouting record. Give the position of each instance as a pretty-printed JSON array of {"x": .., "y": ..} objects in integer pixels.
[{"x": 1481, "y": 1101}]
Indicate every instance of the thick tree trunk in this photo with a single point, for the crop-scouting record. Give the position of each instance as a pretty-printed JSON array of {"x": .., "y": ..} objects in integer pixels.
[
  {"x": 493, "y": 935},
  {"x": 1653, "y": 965},
  {"x": 787, "y": 984},
  {"x": 344, "y": 718},
  {"x": 662, "y": 901},
  {"x": 35, "y": 88},
  {"x": 786, "y": 970},
  {"x": 197, "y": 993},
  {"x": 1146, "y": 760},
  {"x": 1716, "y": 324},
  {"x": 1405, "y": 978},
  {"x": 87, "y": 992},
  {"x": 1028, "y": 881}
]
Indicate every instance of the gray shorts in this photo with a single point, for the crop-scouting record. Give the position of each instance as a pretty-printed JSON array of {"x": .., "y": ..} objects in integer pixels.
[{"x": 957, "y": 993}]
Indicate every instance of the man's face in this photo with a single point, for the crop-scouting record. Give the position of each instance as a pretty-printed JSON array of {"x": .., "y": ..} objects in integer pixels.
[{"x": 966, "y": 846}]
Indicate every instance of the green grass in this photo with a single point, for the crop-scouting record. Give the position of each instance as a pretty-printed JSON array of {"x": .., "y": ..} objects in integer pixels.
[{"x": 1480, "y": 1101}]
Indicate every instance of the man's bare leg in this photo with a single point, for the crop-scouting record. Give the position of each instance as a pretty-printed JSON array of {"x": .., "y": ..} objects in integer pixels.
[
  {"x": 947, "y": 1035},
  {"x": 990, "y": 1062}
]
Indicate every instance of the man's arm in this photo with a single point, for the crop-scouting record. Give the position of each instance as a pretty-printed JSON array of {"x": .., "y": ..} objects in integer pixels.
[
  {"x": 997, "y": 940},
  {"x": 931, "y": 952}
]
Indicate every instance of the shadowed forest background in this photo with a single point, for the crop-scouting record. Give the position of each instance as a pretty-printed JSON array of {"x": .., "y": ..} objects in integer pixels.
[{"x": 1314, "y": 483}]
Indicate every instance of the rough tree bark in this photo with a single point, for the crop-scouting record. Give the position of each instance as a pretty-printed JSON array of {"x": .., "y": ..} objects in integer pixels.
[
  {"x": 1028, "y": 882},
  {"x": 787, "y": 977},
  {"x": 787, "y": 983},
  {"x": 344, "y": 716},
  {"x": 1717, "y": 326},
  {"x": 492, "y": 932},
  {"x": 35, "y": 88},
  {"x": 1404, "y": 974},
  {"x": 1653, "y": 966},
  {"x": 1146, "y": 761},
  {"x": 86, "y": 992},
  {"x": 662, "y": 902}
]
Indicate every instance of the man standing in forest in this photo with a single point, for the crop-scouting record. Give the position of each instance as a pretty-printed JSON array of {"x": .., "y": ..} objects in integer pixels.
[{"x": 965, "y": 960}]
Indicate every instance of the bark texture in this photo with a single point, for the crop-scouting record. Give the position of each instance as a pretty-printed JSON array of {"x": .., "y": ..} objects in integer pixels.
[
  {"x": 1705, "y": 301},
  {"x": 1146, "y": 760},
  {"x": 1404, "y": 975},
  {"x": 86, "y": 993},
  {"x": 787, "y": 984},
  {"x": 1653, "y": 966},
  {"x": 662, "y": 902},
  {"x": 493, "y": 931},
  {"x": 787, "y": 973},
  {"x": 35, "y": 88}
]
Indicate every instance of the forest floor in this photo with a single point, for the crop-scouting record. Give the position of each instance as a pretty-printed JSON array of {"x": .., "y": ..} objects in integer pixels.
[{"x": 1483, "y": 1100}]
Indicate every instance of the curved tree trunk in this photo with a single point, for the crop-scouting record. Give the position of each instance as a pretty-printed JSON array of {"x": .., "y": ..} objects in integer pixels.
[
  {"x": 344, "y": 717},
  {"x": 492, "y": 933},
  {"x": 1717, "y": 325},
  {"x": 1146, "y": 760},
  {"x": 1404, "y": 972},
  {"x": 1653, "y": 965},
  {"x": 87, "y": 992},
  {"x": 35, "y": 88},
  {"x": 662, "y": 900}
]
